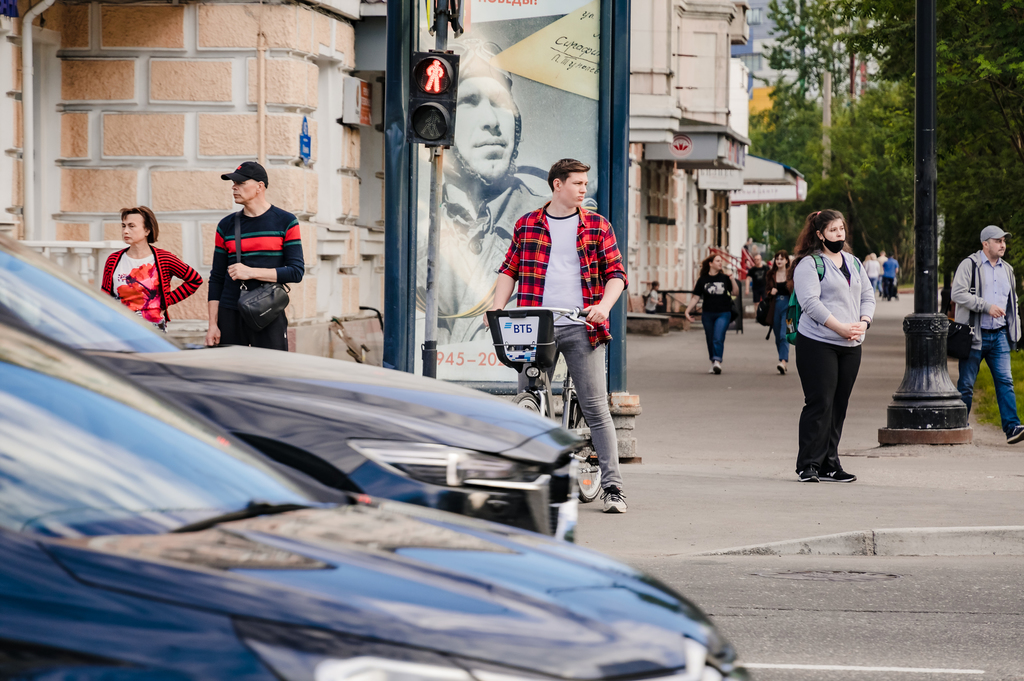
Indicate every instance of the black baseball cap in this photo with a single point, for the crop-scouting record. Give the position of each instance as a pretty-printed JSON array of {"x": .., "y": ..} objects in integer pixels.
[{"x": 250, "y": 170}]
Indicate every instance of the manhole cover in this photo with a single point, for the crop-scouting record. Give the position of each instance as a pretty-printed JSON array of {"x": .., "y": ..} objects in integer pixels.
[{"x": 829, "y": 575}]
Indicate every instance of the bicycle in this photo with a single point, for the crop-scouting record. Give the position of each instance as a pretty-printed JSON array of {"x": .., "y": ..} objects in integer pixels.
[{"x": 524, "y": 339}]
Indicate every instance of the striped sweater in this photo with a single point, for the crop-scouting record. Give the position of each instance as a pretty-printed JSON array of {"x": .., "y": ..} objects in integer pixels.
[
  {"x": 167, "y": 265},
  {"x": 270, "y": 240}
]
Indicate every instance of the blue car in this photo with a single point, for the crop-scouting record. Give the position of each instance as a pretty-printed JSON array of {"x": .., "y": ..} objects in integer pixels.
[
  {"x": 354, "y": 427},
  {"x": 141, "y": 543}
]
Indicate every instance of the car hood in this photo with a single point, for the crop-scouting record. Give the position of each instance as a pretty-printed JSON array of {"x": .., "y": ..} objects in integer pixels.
[
  {"x": 412, "y": 577},
  {"x": 408, "y": 407}
]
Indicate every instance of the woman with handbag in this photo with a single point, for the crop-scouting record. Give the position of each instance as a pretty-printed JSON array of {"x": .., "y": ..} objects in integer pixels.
[
  {"x": 778, "y": 280},
  {"x": 837, "y": 304},
  {"x": 140, "y": 275},
  {"x": 716, "y": 289}
]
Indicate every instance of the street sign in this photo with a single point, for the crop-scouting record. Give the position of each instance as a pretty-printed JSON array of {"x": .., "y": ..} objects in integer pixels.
[{"x": 305, "y": 143}]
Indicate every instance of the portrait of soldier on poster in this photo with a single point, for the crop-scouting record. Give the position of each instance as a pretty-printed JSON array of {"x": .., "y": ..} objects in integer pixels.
[{"x": 518, "y": 68}]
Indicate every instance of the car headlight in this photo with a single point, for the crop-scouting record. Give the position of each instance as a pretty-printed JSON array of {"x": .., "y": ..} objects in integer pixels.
[{"x": 444, "y": 465}]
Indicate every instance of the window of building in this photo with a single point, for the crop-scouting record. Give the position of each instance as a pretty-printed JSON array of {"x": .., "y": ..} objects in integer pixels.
[
  {"x": 754, "y": 16},
  {"x": 753, "y": 62}
]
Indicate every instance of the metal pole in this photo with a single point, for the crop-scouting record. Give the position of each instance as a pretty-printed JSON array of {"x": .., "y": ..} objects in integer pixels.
[
  {"x": 826, "y": 123},
  {"x": 399, "y": 229},
  {"x": 441, "y": 15},
  {"x": 430, "y": 324},
  {"x": 926, "y": 408}
]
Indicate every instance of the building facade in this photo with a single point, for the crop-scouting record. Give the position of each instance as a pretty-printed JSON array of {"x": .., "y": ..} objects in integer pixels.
[
  {"x": 688, "y": 137},
  {"x": 148, "y": 104}
]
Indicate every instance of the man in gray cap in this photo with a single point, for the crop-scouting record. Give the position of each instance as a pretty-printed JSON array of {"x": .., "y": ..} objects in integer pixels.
[{"x": 985, "y": 293}]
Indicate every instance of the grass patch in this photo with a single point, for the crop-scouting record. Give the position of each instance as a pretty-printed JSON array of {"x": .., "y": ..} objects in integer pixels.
[{"x": 985, "y": 405}]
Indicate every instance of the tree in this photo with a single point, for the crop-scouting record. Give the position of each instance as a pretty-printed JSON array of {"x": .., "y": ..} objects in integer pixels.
[{"x": 980, "y": 65}]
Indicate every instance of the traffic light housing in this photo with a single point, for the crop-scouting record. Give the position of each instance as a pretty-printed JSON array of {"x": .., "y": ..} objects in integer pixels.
[{"x": 433, "y": 98}]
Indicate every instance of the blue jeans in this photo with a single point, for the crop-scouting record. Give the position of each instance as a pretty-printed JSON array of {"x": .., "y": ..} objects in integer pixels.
[
  {"x": 995, "y": 350},
  {"x": 715, "y": 326},
  {"x": 779, "y": 326}
]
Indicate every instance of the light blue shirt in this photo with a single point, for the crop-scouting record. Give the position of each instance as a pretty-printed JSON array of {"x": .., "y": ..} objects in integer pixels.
[{"x": 996, "y": 286}]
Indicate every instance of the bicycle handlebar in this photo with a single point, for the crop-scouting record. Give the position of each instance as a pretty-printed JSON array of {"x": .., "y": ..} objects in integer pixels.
[{"x": 572, "y": 314}]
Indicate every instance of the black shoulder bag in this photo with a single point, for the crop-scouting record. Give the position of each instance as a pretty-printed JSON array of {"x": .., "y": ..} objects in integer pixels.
[
  {"x": 960, "y": 337},
  {"x": 261, "y": 305}
]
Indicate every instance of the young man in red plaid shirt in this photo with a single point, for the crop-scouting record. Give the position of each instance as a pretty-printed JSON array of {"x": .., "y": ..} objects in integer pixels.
[{"x": 564, "y": 256}]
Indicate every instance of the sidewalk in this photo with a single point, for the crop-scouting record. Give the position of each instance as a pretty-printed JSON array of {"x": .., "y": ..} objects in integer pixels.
[{"x": 719, "y": 454}]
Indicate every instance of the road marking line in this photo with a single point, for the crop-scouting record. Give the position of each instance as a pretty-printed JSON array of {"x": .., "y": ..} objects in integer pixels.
[{"x": 844, "y": 668}]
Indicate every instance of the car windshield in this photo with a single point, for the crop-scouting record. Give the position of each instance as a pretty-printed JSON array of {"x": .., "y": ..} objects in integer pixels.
[
  {"x": 85, "y": 452},
  {"x": 41, "y": 296}
]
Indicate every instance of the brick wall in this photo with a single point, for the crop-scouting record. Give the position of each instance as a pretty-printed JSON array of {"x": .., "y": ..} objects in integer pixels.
[{"x": 157, "y": 101}]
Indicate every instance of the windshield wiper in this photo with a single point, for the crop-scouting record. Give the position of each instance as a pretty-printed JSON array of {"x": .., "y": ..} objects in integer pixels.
[{"x": 253, "y": 510}]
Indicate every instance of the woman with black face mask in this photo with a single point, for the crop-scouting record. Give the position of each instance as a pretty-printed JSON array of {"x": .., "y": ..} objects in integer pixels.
[{"x": 837, "y": 303}]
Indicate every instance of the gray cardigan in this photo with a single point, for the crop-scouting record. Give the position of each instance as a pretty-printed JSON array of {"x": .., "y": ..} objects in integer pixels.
[
  {"x": 970, "y": 306},
  {"x": 832, "y": 295}
]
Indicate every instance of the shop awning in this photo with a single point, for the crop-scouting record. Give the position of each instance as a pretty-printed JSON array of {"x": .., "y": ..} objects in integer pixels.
[{"x": 767, "y": 181}]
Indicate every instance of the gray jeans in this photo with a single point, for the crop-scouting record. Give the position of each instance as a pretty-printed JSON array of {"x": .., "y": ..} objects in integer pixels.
[{"x": 586, "y": 366}]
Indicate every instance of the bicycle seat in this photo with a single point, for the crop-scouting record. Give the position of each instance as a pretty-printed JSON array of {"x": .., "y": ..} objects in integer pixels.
[{"x": 523, "y": 337}]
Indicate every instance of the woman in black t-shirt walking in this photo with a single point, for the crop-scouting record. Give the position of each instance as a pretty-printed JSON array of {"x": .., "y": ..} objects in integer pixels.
[
  {"x": 716, "y": 289},
  {"x": 778, "y": 304}
]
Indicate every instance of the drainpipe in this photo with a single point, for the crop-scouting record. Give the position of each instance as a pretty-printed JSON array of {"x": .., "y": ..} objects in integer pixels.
[
  {"x": 28, "y": 124},
  {"x": 261, "y": 103}
]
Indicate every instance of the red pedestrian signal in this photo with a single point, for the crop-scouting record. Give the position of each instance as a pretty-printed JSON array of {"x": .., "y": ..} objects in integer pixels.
[{"x": 433, "y": 98}]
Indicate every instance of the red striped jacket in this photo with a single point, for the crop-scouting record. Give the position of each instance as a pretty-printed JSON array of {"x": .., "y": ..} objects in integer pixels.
[
  {"x": 600, "y": 261},
  {"x": 167, "y": 265}
]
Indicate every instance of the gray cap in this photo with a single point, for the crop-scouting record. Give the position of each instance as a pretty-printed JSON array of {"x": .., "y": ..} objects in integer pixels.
[{"x": 992, "y": 232}]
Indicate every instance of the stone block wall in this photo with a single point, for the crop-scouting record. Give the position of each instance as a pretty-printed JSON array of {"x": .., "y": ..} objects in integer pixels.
[{"x": 157, "y": 101}]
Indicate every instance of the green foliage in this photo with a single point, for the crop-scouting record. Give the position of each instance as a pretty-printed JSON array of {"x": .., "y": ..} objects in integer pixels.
[
  {"x": 806, "y": 35},
  {"x": 980, "y": 66},
  {"x": 871, "y": 179}
]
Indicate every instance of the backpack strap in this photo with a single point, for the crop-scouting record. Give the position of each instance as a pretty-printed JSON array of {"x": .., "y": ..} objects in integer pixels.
[{"x": 819, "y": 265}]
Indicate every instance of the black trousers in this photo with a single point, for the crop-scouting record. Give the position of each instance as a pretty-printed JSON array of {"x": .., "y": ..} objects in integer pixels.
[
  {"x": 827, "y": 374},
  {"x": 233, "y": 331}
]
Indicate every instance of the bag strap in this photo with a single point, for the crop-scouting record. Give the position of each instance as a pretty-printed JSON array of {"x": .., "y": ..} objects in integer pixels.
[
  {"x": 819, "y": 265},
  {"x": 238, "y": 237}
]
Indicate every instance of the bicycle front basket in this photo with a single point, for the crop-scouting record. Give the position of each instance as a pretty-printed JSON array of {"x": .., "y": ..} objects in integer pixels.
[{"x": 523, "y": 337}]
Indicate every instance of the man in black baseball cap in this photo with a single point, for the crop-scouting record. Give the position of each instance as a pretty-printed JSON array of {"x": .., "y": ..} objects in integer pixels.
[
  {"x": 271, "y": 252},
  {"x": 250, "y": 170}
]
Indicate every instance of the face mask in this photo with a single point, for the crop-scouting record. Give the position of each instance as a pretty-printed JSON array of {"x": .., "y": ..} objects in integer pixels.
[{"x": 834, "y": 246}]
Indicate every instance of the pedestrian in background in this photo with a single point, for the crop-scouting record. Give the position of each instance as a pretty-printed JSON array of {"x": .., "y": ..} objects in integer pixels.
[
  {"x": 140, "y": 275},
  {"x": 653, "y": 298},
  {"x": 716, "y": 289},
  {"x": 778, "y": 278},
  {"x": 889, "y": 269},
  {"x": 985, "y": 292},
  {"x": 837, "y": 305},
  {"x": 758, "y": 276},
  {"x": 873, "y": 269},
  {"x": 271, "y": 252}
]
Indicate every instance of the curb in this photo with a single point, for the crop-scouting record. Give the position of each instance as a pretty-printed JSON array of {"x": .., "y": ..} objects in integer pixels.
[{"x": 909, "y": 541}]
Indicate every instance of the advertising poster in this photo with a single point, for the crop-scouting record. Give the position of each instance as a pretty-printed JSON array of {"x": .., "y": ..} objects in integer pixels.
[{"x": 528, "y": 96}]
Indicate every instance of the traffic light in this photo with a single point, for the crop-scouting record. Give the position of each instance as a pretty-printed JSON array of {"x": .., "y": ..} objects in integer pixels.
[{"x": 433, "y": 98}]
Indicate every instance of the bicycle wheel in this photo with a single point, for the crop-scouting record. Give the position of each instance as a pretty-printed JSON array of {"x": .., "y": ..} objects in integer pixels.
[
  {"x": 527, "y": 401},
  {"x": 588, "y": 472}
]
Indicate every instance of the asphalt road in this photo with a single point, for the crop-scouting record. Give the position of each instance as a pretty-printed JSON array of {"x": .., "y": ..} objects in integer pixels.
[
  {"x": 718, "y": 457},
  {"x": 952, "y": 614}
]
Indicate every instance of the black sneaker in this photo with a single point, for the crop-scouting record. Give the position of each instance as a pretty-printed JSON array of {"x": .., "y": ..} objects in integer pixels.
[
  {"x": 809, "y": 475},
  {"x": 613, "y": 500},
  {"x": 1015, "y": 435},
  {"x": 837, "y": 476}
]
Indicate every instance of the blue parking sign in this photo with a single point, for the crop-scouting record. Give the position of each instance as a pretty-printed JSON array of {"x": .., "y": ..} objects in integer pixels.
[{"x": 305, "y": 145}]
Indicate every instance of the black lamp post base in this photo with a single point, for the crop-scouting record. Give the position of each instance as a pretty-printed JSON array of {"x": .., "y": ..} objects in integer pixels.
[
  {"x": 914, "y": 436},
  {"x": 926, "y": 402}
]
